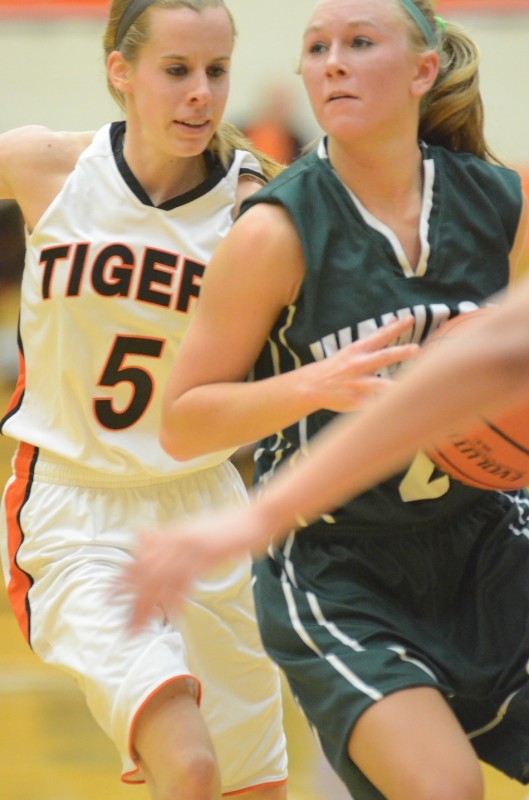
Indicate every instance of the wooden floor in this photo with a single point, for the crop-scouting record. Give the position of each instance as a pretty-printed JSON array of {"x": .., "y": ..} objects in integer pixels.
[{"x": 51, "y": 749}]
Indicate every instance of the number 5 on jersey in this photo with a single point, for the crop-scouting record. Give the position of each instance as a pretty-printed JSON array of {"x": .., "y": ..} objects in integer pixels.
[{"x": 139, "y": 378}]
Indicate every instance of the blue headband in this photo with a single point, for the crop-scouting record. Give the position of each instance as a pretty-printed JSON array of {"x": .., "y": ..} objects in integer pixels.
[
  {"x": 421, "y": 21},
  {"x": 130, "y": 15}
]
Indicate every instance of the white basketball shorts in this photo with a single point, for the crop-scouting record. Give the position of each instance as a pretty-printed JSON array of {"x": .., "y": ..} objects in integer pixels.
[{"x": 63, "y": 547}]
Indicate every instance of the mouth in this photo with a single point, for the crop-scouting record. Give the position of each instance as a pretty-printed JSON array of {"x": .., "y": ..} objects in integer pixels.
[
  {"x": 193, "y": 125},
  {"x": 340, "y": 96}
]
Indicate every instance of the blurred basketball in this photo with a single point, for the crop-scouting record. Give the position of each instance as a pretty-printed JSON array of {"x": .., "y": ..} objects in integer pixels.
[{"x": 493, "y": 455}]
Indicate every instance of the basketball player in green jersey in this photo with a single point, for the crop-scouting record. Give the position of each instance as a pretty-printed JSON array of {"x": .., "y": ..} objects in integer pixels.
[{"x": 400, "y": 616}]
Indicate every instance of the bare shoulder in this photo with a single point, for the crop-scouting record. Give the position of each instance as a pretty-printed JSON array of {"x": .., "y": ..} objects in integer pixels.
[
  {"x": 268, "y": 223},
  {"x": 39, "y": 147},
  {"x": 34, "y": 163},
  {"x": 265, "y": 239},
  {"x": 248, "y": 185},
  {"x": 38, "y": 151}
]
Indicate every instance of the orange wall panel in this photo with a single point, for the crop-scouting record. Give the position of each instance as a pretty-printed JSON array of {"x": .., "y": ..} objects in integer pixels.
[
  {"x": 483, "y": 6},
  {"x": 48, "y": 8},
  {"x": 68, "y": 7}
]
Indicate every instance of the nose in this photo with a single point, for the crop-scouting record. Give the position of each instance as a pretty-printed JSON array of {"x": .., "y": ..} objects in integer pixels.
[
  {"x": 199, "y": 91},
  {"x": 335, "y": 63}
]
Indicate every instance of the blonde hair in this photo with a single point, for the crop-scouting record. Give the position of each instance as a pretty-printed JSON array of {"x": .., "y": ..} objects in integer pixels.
[
  {"x": 452, "y": 111},
  {"x": 227, "y": 138}
]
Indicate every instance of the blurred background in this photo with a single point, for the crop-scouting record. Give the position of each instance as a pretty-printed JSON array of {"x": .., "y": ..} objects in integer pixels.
[{"x": 52, "y": 72}]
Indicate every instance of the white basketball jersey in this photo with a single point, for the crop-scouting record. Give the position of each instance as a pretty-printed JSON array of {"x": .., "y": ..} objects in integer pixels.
[{"x": 109, "y": 288}]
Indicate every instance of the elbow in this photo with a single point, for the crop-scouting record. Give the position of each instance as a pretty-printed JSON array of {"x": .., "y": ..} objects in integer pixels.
[
  {"x": 187, "y": 431},
  {"x": 176, "y": 446},
  {"x": 174, "y": 435}
]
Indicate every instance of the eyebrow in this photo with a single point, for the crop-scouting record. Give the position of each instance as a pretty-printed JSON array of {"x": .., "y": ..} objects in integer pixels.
[
  {"x": 356, "y": 23},
  {"x": 177, "y": 57}
]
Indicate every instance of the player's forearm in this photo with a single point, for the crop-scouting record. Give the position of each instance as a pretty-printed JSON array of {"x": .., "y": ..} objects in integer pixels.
[
  {"x": 202, "y": 414},
  {"x": 222, "y": 416}
]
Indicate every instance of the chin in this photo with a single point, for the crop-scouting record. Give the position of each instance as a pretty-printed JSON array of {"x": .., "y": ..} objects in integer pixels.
[{"x": 190, "y": 149}]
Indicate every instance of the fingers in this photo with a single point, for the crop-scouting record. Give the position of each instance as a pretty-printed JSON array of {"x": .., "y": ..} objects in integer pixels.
[
  {"x": 358, "y": 364},
  {"x": 380, "y": 349},
  {"x": 142, "y": 594},
  {"x": 147, "y": 579},
  {"x": 387, "y": 334},
  {"x": 373, "y": 361},
  {"x": 340, "y": 381}
]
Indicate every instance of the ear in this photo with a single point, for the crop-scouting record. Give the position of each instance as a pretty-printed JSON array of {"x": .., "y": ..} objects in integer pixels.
[
  {"x": 118, "y": 71},
  {"x": 426, "y": 73}
]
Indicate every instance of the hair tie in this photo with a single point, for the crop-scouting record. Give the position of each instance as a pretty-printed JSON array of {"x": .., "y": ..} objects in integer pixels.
[{"x": 441, "y": 24}]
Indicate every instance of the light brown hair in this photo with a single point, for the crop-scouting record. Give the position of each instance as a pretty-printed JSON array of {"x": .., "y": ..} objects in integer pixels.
[{"x": 452, "y": 112}]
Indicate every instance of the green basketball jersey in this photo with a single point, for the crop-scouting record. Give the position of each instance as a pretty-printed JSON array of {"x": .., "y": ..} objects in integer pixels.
[{"x": 358, "y": 277}]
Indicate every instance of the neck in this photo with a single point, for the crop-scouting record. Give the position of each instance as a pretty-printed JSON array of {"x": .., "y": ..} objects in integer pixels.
[
  {"x": 384, "y": 177},
  {"x": 161, "y": 175}
]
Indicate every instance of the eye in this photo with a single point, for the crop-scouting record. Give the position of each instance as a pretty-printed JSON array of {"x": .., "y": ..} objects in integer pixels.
[
  {"x": 316, "y": 48},
  {"x": 177, "y": 70},
  {"x": 217, "y": 71},
  {"x": 360, "y": 42}
]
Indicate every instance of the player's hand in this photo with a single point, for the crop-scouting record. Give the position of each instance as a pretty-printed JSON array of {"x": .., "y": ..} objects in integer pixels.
[
  {"x": 167, "y": 562},
  {"x": 345, "y": 380}
]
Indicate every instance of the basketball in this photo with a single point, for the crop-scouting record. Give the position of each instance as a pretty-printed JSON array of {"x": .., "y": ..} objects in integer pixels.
[{"x": 493, "y": 455}]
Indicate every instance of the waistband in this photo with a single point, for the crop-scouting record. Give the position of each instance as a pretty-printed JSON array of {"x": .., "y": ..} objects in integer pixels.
[{"x": 43, "y": 466}]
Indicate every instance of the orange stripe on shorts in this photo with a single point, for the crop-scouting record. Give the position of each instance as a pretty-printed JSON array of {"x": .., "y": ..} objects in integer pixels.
[{"x": 16, "y": 495}]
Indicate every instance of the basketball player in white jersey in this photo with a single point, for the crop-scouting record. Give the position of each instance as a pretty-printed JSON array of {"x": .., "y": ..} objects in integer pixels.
[{"x": 120, "y": 227}]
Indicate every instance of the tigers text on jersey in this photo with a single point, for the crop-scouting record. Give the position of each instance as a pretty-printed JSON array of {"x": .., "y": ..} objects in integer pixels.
[{"x": 109, "y": 287}]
